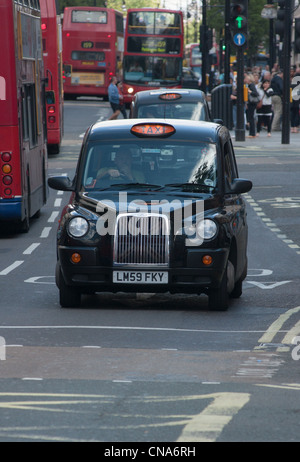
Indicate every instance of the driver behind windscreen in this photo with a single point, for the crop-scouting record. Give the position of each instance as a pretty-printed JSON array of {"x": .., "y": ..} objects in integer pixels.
[{"x": 122, "y": 170}]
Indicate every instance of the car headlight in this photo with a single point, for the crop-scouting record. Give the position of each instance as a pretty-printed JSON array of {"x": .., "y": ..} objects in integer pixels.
[
  {"x": 78, "y": 227},
  {"x": 207, "y": 229}
]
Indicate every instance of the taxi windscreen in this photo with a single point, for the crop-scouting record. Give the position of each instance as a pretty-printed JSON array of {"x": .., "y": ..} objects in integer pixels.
[
  {"x": 150, "y": 162},
  {"x": 189, "y": 110}
]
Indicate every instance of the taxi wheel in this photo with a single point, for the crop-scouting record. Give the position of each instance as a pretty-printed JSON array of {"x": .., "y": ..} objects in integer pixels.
[
  {"x": 69, "y": 297},
  {"x": 218, "y": 299},
  {"x": 238, "y": 289}
]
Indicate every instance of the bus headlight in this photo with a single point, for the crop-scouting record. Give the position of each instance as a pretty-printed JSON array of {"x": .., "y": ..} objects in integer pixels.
[
  {"x": 207, "y": 229},
  {"x": 130, "y": 90},
  {"x": 78, "y": 227}
]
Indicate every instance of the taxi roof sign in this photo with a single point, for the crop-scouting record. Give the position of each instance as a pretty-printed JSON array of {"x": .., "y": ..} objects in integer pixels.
[
  {"x": 152, "y": 129},
  {"x": 170, "y": 96}
]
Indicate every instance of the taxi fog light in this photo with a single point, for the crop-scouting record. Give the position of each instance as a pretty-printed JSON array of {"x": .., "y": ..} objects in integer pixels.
[
  {"x": 207, "y": 260},
  {"x": 76, "y": 258},
  {"x": 207, "y": 229},
  {"x": 78, "y": 227}
]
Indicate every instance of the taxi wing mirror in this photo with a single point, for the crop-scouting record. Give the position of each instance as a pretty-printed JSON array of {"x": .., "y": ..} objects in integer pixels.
[
  {"x": 239, "y": 186},
  {"x": 60, "y": 183}
]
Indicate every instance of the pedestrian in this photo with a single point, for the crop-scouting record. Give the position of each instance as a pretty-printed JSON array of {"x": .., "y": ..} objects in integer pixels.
[
  {"x": 114, "y": 98},
  {"x": 264, "y": 107},
  {"x": 294, "y": 106},
  {"x": 121, "y": 99},
  {"x": 233, "y": 99},
  {"x": 253, "y": 99},
  {"x": 277, "y": 86}
]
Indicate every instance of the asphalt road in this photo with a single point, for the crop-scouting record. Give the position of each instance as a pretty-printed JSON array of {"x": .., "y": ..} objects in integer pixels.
[{"x": 155, "y": 368}]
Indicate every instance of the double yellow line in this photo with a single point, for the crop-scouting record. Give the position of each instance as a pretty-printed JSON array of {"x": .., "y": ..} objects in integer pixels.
[{"x": 274, "y": 329}]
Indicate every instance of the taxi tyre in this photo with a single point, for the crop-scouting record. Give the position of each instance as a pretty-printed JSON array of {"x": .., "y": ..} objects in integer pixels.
[
  {"x": 69, "y": 297},
  {"x": 238, "y": 286},
  {"x": 218, "y": 299}
]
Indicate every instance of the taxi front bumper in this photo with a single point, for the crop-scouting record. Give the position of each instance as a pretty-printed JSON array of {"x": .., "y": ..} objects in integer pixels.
[{"x": 193, "y": 277}]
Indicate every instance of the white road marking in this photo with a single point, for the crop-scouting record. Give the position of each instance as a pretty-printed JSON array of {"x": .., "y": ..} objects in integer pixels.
[
  {"x": 31, "y": 249},
  {"x": 53, "y": 217},
  {"x": 268, "y": 285},
  {"x": 10, "y": 268},
  {"x": 45, "y": 232}
]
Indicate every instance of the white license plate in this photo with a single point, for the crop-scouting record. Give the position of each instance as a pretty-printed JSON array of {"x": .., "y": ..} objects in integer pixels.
[{"x": 140, "y": 277}]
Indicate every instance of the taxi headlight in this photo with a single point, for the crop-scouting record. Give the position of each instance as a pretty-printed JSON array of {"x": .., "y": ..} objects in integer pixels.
[
  {"x": 78, "y": 227},
  {"x": 207, "y": 229}
]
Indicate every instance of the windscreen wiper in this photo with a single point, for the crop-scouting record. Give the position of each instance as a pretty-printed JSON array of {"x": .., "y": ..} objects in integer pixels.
[{"x": 190, "y": 185}]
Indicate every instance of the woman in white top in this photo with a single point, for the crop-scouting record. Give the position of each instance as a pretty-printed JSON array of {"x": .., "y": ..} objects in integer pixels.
[{"x": 264, "y": 108}]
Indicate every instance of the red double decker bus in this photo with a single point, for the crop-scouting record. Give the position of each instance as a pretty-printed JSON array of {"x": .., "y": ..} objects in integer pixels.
[
  {"x": 23, "y": 149},
  {"x": 193, "y": 57},
  {"x": 52, "y": 53},
  {"x": 93, "y": 44},
  {"x": 153, "y": 51}
]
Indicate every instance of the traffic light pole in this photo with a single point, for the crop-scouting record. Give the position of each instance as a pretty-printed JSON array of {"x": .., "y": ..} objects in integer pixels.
[
  {"x": 285, "y": 134},
  {"x": 204, "y": 47},
  {"x": 239, "y": 33},
  {"x": 227, "y": 43},
  {"x": 240, "y": 115}
]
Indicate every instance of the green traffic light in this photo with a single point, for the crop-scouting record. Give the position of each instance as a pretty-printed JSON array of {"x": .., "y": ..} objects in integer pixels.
[{"x": 239, "y": 20}]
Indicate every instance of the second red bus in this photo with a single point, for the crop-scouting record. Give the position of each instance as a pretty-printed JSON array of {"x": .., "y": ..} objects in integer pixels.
[
  {"x": 52, "y": 53},
  {"x": 93, "y": 44}
]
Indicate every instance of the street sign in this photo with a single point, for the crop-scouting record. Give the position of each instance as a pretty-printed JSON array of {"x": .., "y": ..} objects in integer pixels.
[{"x": 239, "y": 39}]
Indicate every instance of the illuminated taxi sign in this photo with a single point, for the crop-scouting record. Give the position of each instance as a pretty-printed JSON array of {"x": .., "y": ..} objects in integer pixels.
[
  {"x": 153, "y": 129},
  {"x": 170, "y": 96}
]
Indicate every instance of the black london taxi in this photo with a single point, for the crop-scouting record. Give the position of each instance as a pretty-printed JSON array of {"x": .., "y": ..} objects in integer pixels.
[
  {"x": 176, "y": 104},
  {"x": 156, "y": 206}
]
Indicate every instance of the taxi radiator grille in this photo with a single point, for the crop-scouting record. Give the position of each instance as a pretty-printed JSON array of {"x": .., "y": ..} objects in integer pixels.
[{"x": 141, "y": 239}]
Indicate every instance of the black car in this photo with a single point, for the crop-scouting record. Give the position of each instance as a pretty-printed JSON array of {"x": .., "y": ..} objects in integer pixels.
[
  {"x": 156, "y": 206},
  {"x": 190, "y": 79},
  {"x": 174, "y": 104}
]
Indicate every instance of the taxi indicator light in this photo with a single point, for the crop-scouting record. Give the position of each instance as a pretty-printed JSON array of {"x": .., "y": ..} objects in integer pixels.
[
  {"x": 170, "y": 96},
  {"x": 76, "y": 258},
  {"x": 207, "y": 260},
  {"x": 153, "y": 130}
]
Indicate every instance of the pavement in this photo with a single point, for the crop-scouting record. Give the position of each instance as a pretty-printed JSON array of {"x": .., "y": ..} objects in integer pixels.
[{"x": 274, "y": 142}]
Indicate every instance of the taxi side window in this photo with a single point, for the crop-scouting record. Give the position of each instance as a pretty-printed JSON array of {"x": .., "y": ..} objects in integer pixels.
[{"x": 229, "y": 164}]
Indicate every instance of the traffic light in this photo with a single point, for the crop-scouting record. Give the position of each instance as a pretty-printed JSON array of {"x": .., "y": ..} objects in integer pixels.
[
  {"x": 239, "y": 16},
  {"x": 280, "y": 21},
  {"x": 297, "y": 35}
]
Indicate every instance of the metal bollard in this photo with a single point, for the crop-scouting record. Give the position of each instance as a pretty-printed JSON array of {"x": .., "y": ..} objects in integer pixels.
[{"x": 221, "y": 105}]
